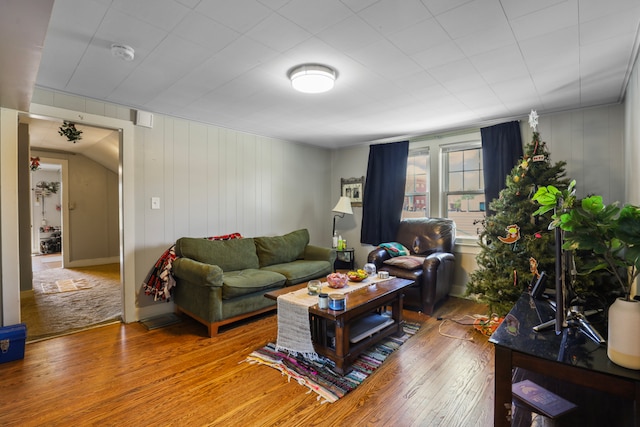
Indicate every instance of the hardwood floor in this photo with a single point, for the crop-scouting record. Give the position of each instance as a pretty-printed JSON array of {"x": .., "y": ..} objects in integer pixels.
[{"x": 126, "y": 375}]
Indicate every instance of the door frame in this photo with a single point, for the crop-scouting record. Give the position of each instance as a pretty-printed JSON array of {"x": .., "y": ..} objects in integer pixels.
[
  {"x": 126, "y": 207},
  {"x": 64, "y": 205}
]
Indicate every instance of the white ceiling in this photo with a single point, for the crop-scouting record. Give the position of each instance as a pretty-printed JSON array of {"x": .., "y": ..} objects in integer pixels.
[{"x": 405, "y": 67}]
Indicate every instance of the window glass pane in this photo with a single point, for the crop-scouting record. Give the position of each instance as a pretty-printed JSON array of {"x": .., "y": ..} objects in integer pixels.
[
  {"x": 416, "y": 200},
  {"x": 466, "y": 210},
  {"x": 456, "y": 181},
  {"x": 471, "y": 159},
  {"x": 456, "y": 161},
  {"x": 471, "y": 181},
  {"x": 417, "y": 178}
]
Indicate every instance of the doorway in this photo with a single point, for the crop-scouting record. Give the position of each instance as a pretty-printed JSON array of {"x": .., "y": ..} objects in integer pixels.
[
  {"x": 75, "y": 239},
  {"x": 46, "y": 207}
]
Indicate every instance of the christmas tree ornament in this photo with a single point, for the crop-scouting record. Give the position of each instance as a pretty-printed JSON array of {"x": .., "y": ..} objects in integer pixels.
[
  {"x": 533, "y": 267},
  {"x": 533, "y": 120},
  {"x": 34, "y": 165},
  {"x": 513, "y": 234}
]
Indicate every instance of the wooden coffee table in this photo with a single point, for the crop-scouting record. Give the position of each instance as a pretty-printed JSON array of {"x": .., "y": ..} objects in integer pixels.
[{"x": 343, "y": 335}]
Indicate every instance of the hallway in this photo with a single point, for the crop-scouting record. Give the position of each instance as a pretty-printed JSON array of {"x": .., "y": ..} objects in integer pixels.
[{"x": 67, "y": 300}]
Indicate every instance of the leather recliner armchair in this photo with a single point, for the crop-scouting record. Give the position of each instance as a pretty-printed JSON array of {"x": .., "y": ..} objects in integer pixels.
[{"x": 430, "y": 243}]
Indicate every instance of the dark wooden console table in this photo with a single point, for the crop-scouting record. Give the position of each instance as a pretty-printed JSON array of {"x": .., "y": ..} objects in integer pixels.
[{"x": 578, "y": 361}]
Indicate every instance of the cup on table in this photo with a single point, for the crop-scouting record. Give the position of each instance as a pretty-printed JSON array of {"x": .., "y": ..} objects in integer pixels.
[{"x": 313, "y": 287}]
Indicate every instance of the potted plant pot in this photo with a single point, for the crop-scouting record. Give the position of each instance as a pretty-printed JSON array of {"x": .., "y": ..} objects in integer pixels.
[{"x": 623, "y": 347}]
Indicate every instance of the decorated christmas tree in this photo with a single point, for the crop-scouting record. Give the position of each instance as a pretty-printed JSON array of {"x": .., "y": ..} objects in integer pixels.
[{"x": 517, "y": 247}]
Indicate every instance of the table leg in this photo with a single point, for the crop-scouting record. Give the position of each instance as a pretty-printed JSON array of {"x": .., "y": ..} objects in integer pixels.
[
  {"x": 342, "y": 344},
  {"x": 502, "y": 387},
  {"x": 636, "y": 404},
  {"x": 396, "y": 313}
]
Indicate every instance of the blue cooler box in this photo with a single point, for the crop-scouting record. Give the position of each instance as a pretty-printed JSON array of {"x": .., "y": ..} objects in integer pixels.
[{"x": 12, "y": 340}]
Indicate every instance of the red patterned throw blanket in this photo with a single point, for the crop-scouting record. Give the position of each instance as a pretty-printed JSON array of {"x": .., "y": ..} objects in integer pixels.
[{"x": 160, "y": 282}]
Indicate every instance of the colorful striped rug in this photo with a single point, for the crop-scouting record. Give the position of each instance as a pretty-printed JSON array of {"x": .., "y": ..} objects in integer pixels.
[{"x": 319, "y": 375}]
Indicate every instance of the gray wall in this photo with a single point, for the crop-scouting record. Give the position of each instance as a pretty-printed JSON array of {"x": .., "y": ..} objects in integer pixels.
[
  {"x": 591, "y": 141},
  {"x": 632, "y": 143},
  {"x": 632, "y": 138}
]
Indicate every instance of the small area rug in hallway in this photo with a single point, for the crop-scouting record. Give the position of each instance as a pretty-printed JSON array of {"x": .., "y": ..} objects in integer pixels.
[
  {"x": 319, "y": 376},
  {"x": 65, "y": 285},
  {"x": 66, "y": 300}
]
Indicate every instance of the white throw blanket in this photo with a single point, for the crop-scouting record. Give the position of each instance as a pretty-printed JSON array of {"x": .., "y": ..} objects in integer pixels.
[{"x": 294, "y": 332}]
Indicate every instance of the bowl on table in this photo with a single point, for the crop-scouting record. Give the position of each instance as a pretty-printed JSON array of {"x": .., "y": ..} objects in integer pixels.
[
  {"x": 357, "y": 275},
  {"x": 337, "y": 280}
]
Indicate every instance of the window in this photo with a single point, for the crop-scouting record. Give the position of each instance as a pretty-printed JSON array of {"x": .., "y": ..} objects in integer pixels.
[
  {"x": 416, "y": 191},
  {"x": 457, "y": 174},
  {"x": 463, "y": 187}
]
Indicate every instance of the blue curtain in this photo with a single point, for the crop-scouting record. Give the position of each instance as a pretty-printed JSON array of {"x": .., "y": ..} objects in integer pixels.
[
  {"x": 501, "y": 150},
  {"x": 384, "y": 192}
]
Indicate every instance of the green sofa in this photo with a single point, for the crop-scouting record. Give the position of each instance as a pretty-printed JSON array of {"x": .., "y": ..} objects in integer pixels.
[{"x": 222, "y": 281}]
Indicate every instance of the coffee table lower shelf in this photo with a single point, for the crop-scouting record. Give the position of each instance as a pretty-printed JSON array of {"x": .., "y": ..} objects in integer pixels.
[{"x": 325, "y": 335}]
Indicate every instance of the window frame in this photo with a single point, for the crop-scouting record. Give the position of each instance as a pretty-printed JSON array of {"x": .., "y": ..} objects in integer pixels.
[
  {"x": 435, "y": 144},
  {"x": 444, "y": 192}
]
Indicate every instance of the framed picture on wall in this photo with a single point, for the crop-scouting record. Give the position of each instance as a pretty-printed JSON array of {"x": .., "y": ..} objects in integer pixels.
[{"x": 353, "y": 188}]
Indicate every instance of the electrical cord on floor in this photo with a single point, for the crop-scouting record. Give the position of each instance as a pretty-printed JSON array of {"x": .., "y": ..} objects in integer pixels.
[{"x": 461, "y": 321}]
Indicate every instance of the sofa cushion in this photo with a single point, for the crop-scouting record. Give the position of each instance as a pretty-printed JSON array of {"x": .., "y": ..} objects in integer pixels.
[
  {"x": 406, "y": 262},
  {"x": 280, "y": 249},
  {"x": 301, "y": 270},
  {"x": 229, "y": 255},
  {"x": 244, "y": 282}
]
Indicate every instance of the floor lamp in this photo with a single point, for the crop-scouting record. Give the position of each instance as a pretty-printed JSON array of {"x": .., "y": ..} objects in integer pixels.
[{"x": 342, "y": 207}]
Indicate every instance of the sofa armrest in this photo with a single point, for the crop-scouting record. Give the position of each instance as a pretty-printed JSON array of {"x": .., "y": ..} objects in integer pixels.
[
  {"x": 319, "y": 253},
  {"x": 378, "y": 256},
  {"x": 197, "y": 272}
]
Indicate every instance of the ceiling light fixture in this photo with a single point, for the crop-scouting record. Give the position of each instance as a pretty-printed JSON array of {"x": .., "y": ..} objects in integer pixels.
[
  {"x": 122, "y": 51},
  {"x": 312, "y": 78}
]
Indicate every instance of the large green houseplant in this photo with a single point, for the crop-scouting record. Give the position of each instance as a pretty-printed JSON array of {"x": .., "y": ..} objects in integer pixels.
[
  {"x": 609, "y": 232},
  {"x": 612, "y": 235}
]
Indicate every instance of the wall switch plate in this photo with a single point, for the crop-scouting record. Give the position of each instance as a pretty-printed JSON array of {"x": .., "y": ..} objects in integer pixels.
[{"x": 155, "y": 203}]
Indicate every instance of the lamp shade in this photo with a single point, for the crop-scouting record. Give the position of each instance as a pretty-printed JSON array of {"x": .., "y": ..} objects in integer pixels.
[
  {"x": 312, "y": 78},
  {"x": 343, "y": 206}
]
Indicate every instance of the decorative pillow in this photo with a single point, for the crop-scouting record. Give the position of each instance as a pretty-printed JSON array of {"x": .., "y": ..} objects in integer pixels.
[
  {"x": 281, "y": 249},
  {"x": 406, "y": 262},
  {"x": 229, "y": 255},
  {"x": 394, "y": 249}
]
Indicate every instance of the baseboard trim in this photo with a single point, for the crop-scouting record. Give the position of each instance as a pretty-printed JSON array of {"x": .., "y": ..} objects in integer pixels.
[{"x": 94, "y": 261}]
